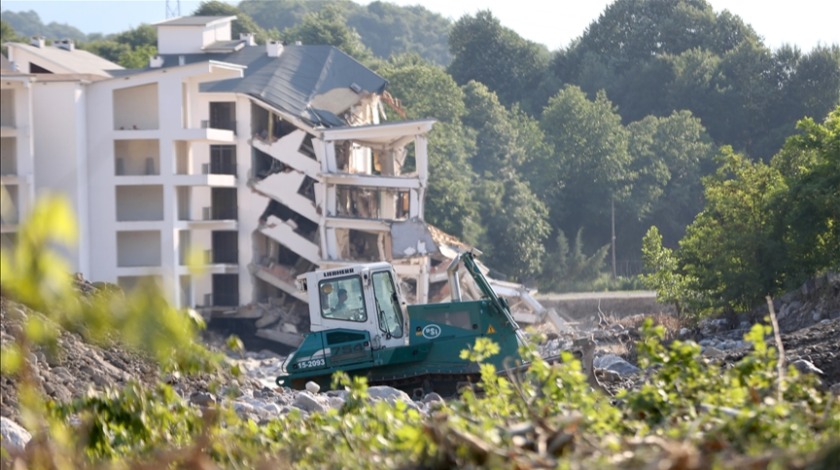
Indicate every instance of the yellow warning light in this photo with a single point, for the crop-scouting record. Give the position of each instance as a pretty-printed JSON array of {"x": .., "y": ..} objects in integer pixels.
[{"x": 490, "y": 330}]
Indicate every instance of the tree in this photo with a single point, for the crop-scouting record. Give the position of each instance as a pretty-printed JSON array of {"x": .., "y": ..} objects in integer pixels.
[
  {"x": 244, "y": 24},
  {"x": 28, "y": 24},
  {"x": 515, "y": 219},
  {"x": 388, "y": 30},
  {"x": 107, "y": 49},
  {"x": 137, "y": 58},
  {"x": 495, "y": 134},
  {"x": 589, "y": 163},
  {"x": 519, "y": 230},
  {"x": 7, "y": 34},
  {"x": 385, "y": 28},
  {"x": 733, "y": 248},
  {"x": 630, "y": 32},
  {"x": 810, "y": 211},
  {"x": 328, "y": 26},
  {"x": 570, "y": 268},
  {"x": 424, "y": 89},
  {"x": 143, "y": 35},
  {"x": 485, "y": 51},
  {"x": 670, "y": 156}
]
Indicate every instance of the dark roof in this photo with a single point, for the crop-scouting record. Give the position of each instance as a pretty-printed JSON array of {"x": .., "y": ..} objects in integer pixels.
[{"x": 297, "y": 81}]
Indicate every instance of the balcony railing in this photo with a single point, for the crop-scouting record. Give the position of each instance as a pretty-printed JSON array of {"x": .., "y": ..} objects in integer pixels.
[{"x": 229, "y": 125}]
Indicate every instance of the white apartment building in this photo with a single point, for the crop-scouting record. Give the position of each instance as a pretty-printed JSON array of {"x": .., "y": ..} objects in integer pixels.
[{"x": 268, "y": 160}]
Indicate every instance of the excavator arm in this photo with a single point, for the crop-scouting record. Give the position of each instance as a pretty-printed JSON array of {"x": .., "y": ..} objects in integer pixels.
[{"x": 500, "y": 304}]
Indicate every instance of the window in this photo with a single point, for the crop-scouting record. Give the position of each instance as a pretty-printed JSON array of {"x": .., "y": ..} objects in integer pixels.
[
  {"x": 343, "y": 299},
  {"x": 223, "y": 159},
  {"x": 387, "y": 304},
  {"x": 223, "y": 115}
]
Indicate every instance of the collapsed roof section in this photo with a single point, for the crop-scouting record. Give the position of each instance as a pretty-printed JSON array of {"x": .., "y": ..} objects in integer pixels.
[{"x": 316, "y": 83}]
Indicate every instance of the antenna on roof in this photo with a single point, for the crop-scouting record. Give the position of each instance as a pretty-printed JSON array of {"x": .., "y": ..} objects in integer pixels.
[{"x": 173, "y": 8}]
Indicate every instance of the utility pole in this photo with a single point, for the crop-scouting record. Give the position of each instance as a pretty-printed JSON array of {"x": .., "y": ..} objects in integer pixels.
[
  {"x": 612, "y": 222},
  {"x": 173, "y": 8}
]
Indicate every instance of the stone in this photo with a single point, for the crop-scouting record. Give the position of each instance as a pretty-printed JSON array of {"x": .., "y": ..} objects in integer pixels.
[
  {"x": 13, "y": 436},
  {"x": 711, "y": 351},
  {"x": 336, "y": 402},
  {"x": 615, "y": 364},
  {"x": 805, "y": 366},
  {"x": 243, "y": 409},
  {"x": 312, "y": 387},
  {"x": 272, "y": 409},
  {"x": 307, "y": 402},
  {"x": 202, "y": 399},
  {"x": 389, "y": 394},
  {"x": 433, "y": 398}
]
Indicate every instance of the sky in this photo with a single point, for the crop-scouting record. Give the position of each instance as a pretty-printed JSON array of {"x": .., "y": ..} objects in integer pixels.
[{"x": 553, "y": 23}]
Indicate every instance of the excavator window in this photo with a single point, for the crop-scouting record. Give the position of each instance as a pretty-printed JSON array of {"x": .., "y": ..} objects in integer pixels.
[
  {"x": 388, "y": 310},
  {"x": 342, "y": 299}
]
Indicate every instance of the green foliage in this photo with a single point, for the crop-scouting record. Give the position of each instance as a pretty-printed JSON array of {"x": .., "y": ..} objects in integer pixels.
[
  {"x": 132, "y": 420},
  {"x": 485, "y": 51},
  {"x": 328, "y": 26},
  {"x": 731, "y": 248},
  {"x": 28, "y": 24},
  {"x": 663, "y": 275},
  {"x": 7, "y": 34},
  {"x": 570, "y": 268},
  {"x": 749, "y": 97},
  {"x": 131, "y": 49},
  {"x": 36, "y": 275},
  {"x": 765, "y": 228},
  {"x": 747, "y": 408},
  {"x": 589, "y": 165},
  {"x": 810, "y": 211},
  {"x": 388, "y": 30}
]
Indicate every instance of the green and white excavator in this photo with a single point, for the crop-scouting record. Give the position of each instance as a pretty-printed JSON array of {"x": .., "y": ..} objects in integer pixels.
[{"x": 361, "y": 325}]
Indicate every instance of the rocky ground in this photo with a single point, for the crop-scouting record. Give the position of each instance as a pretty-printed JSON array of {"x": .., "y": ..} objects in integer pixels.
[{"x": 809, "y": 318}]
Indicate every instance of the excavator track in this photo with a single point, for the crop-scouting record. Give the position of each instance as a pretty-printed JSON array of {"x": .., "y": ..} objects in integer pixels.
[{"x": 418, "y": 386}]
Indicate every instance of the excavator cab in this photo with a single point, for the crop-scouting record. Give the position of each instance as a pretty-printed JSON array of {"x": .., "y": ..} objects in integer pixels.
[
  {"x": 353, "y": 311},
  {"x": 364, "y": 297}
]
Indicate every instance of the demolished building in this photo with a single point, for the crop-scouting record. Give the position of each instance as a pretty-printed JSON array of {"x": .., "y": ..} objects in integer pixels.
[{"x": 268, "y": 160}]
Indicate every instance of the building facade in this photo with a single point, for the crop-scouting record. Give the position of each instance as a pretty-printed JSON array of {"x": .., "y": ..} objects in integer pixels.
[{"x": 256, "y": 162}]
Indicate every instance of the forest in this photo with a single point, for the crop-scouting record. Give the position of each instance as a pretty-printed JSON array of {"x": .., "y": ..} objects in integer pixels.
[{"x": 664, "y": 146}]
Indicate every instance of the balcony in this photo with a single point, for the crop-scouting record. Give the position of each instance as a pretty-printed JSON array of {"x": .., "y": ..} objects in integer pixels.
[
  {"x": 206, "y": 134},
  {"x": 224, "y": 124}
]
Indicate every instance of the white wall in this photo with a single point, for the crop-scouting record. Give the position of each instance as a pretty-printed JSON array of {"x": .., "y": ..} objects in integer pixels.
[
  {"x": 17, "y": 98},
  {"x": 60, "y": 148},
  {"x": 179, "y": 40},
  {"x": 136, "y": 107}
]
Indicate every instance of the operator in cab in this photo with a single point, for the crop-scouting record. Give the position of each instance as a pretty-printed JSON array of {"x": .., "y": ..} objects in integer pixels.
[{"x": 340, "y": 309}]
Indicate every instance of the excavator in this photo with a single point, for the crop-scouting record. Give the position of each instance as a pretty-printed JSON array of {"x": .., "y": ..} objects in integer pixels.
[{"x": 361, "y": 325}]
